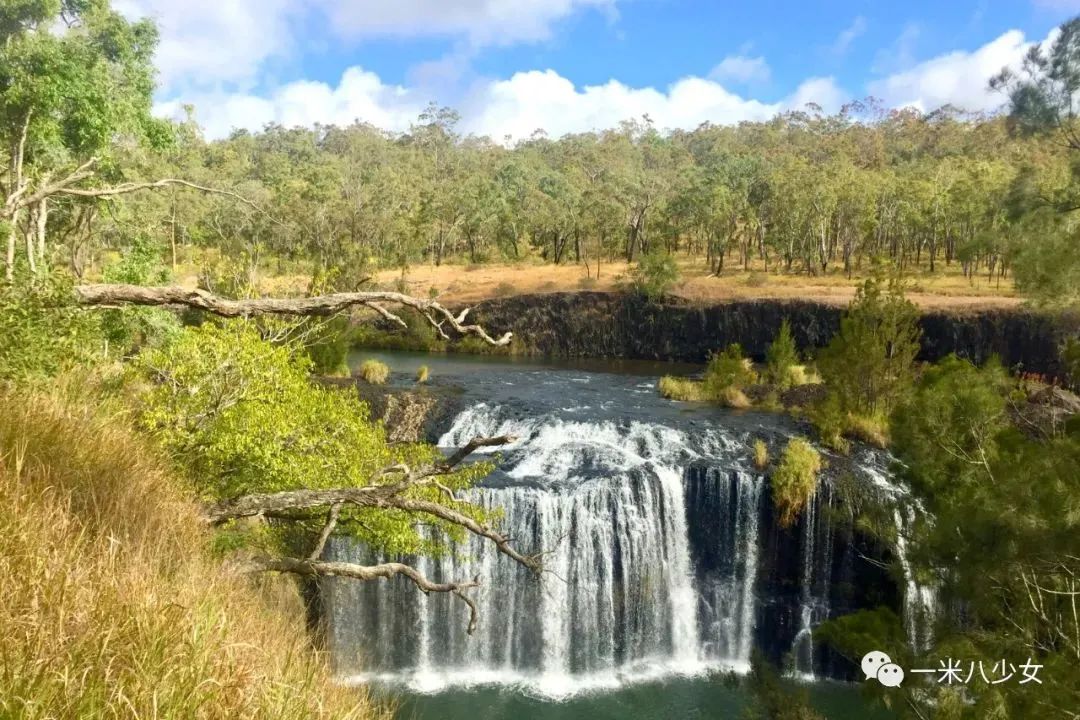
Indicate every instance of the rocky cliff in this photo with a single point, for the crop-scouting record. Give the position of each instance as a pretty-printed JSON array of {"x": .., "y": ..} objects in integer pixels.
[{"x": 596, "y": 324}]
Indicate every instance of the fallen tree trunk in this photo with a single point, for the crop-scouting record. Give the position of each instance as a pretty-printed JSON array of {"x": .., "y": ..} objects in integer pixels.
[{"x": 321, "y": 305}]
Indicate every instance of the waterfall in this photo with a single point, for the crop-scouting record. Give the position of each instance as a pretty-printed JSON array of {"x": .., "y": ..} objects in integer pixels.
[{"x": 651, "y": 537}]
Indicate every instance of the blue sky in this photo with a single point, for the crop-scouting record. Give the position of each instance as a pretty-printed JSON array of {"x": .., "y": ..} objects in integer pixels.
[{"x": 511, "y": 66}]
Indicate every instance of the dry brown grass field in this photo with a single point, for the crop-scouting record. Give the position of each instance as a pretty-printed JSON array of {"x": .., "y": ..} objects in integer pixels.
[{"x": 945, "y": 289}]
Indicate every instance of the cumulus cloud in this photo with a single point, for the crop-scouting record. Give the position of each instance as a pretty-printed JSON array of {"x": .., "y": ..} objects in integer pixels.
[
  {"x": 359, "y": 96},
  {"x": 209, "y": 43},
  {"x": 957, "y": 78},
  {"x": 513, "y": 107},
  {"x": 741, "y": 69}
]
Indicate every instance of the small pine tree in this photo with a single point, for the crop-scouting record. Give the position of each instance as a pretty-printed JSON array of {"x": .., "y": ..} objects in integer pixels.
[
  {"x": 782, "y": 357},
  {"x": 870, "y": 362}
]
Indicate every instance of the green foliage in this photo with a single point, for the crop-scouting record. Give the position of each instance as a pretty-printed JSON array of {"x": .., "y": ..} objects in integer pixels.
[
  {"x": 772, "y": 700},
  {"x": 1004, "y": 528},
  {"x": 858, "y": 633},
  {"x": 43, "y": 332},
  {"x": 794, "y": 480},
  {"x": 240, "y": 415},
  {"x": 655, "y": 274},
  {"x": 728, "y": 369},
  {"x": 328, "y": 346},
  {"x": 870, "y": 362},
  {"x": 422, "y": 374},
  {"x": 782, "y": 358},
  {"x": 374, "y": 372},
  {"x": 130, "y": 327}
]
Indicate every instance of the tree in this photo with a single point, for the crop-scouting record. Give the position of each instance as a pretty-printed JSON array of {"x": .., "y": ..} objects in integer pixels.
[
  {"x": 76, "y": 77},
  {"x": 242, "y": 417},
  {"x": 782, "y": 357},
  {"x": 655, "y": 273},
  {"x": 869, "y": 363}
]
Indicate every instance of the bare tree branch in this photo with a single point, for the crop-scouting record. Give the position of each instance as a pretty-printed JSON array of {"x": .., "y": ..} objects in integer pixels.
[
  {"x": 475, "y": 444},
  {"x": 318, "y": 568},
  {"x": 320, "y": 305}
]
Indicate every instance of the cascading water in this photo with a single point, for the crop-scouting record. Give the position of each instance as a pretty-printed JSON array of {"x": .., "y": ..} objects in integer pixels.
[{"x": 653, "y": 534}]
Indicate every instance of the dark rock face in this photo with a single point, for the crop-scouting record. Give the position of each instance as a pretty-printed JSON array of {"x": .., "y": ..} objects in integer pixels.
[{"x": 595, "y": 324}]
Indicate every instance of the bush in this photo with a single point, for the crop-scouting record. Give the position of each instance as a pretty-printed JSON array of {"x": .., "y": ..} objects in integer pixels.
[
  {"x": 328, "y": 347},
  {"x": 42, "y": 331},
  {"x": 655, "y": 273},
  {"x": 374, "y": 372},
  {"x": 587, "y": 283},
  {"x": 782, "y": 358},
  {"x": 733, "y": 397},
  {"x": 674, "y": 388},
  {"x": 728, "y": 369},
  {"x": 422, "y": 374},
  {"x": 794, "y": 480},
  {"x": 761, "y": 454}
]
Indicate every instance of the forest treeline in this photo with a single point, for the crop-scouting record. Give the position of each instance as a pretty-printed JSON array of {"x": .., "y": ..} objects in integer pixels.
[{"x": 805, "y": 192}]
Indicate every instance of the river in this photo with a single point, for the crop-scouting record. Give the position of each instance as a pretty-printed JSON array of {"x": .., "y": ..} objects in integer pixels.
[{"x": 666, "y": 566}]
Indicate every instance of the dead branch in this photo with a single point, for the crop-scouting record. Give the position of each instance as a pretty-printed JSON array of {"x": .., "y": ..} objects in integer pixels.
[
  {"x": 320, "y": 305},
  {"x": 319, "y": 568}
]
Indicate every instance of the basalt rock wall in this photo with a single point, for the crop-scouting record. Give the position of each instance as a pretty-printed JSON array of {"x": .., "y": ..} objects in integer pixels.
[{"x": 609, "y": 325}]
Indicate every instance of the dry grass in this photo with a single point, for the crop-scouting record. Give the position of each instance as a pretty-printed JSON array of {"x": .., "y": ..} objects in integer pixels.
[
  {"x": 110, "y": 602},
  {"x": 423, "y": 373},
  {"x": 374, "y": 372},
  {"x": 733, "y": 397},
  {"x": 945, "y": 289},
  {"x": 761, "y": 454},
  {"x": 675, "y": 388}
]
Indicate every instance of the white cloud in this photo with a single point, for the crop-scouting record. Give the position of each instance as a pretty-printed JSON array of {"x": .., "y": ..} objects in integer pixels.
[
  {"x": 958, "y": 78},
  {"x": 513, "y": 107},
  {"x": 741, "y": 69},
  {"x": 210, "y": 44},
  {"x": 900, "y": 55},
  {"x": 849, "y": 35},
  {"x": 207, "y": 43},
  {"x": 482, "y": 22},
  {"x": 360, "y": 95}
]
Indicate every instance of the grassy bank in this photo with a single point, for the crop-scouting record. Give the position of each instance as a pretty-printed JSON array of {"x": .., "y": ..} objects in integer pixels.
[{"x": 111, "y": 601}]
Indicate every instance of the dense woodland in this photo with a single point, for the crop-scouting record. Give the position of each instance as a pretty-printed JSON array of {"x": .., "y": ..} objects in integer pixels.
[
  {"x": 129, "y": 417},
  {"x": 804, "y": 193}
]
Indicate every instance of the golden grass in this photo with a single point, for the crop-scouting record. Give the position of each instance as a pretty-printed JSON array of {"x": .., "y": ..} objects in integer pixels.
[
  {"x": 947, "y": 288},
  {"x": 761, "y": 454},
  {"x": 733, "y": 397},
  {"x": 374, "y": 372},
  {"x": 110, "y": 602},
  {"x": 675, "y": 388},
  {"x": 423, "y": 373}
]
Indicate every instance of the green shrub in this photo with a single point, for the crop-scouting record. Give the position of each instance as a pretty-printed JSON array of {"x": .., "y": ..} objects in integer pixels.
[
  {"x": 422, "y": 374},
  {"x": 654, "y": 274},
  {"x": 374, "y": 372},
  {"x": 328, "y": 347},
  {"x": 794, "y": 480},
  {"x": 782, "y": 358},
  {"x": 728, "y": 369}
]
